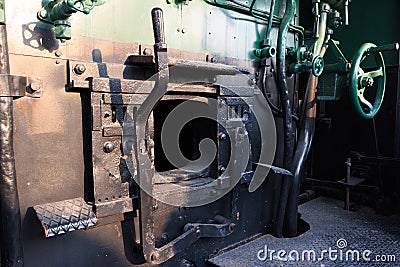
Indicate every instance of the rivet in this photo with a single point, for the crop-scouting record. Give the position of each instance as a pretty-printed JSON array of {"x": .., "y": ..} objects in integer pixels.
[{"x": 108, "y": 147}]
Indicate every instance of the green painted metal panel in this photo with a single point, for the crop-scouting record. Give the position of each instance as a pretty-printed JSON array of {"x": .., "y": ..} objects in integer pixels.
[{"x": 195, "y": 27}]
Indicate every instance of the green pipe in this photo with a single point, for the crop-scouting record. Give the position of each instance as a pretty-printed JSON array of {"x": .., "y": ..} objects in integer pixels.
[
  {"x": 256, "y": 13},
  {"x": 269, "y": 27}
]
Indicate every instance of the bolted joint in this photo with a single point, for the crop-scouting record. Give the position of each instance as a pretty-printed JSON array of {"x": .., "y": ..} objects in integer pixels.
[{"x": 79, "y": 69}]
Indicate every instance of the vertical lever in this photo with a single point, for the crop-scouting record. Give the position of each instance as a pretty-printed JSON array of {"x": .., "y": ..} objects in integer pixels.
[
  {"x": 158, "y": 29},
  {"x": 160, "y": 47},
  {"x": 143, "y": 160},
  {"x": 346, "y": 12}
]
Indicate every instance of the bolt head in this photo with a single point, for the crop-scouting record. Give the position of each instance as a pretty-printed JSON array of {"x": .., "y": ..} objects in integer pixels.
[
  {"x": 79, "y": 69},
  {"x": 108, "y": 147},
  {"x": 198, "y": 232},
  {"x": 35, "y": 86},
  {"x": 147, "y": 52},
  {"x": 222, "y": 136},
  {"x": 221, "y": 170}
]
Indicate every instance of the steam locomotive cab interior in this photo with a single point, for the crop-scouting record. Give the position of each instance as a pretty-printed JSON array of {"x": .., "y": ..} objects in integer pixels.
[{"x": 199, "y": 132}]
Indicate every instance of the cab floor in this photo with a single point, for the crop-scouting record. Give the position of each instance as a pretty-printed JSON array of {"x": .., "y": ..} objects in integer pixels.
[{"x": 331, "y": 227}]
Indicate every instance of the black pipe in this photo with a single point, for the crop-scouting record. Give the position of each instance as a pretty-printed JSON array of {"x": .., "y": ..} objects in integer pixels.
[
  {"x": 306, "y": 135},
  {"x": 11, "y": 237},
  {"x": 287, "y": 114}
]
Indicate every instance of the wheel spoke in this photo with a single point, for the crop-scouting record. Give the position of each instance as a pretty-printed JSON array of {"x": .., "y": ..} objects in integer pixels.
[
  {"x": 363, "y": 100},
  {"x": 374, "y": 74},
  {"x": 360, "y": 72}
]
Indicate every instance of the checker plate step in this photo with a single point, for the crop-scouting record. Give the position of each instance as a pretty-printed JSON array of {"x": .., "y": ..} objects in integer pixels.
[{"x": 65, "y": 216}]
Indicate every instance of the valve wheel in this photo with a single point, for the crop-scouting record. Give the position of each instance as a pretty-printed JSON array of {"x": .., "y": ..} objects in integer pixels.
[
  {"x": 318, "y": 66},
  {"x": 360, "y": 81}
]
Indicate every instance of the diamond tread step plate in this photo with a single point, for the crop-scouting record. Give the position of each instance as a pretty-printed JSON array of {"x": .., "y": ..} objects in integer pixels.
[{"x": 65, "y": 216}]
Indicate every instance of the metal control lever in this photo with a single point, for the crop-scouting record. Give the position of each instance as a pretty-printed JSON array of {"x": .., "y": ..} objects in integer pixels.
[
  {"x": 384, "y": 48},
  {"x": 160, "y": 47},
  {"x": 158, "y": 28}
]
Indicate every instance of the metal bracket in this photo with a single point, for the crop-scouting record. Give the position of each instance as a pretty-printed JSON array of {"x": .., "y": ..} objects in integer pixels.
[
  {"x": 20, "y": 86},
  {"x": 192, "y": 233}
]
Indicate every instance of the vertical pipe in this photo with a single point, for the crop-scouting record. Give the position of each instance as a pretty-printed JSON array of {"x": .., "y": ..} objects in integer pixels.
[
  {"x": 11, "y": 236},
  {"x": 10, "y": 213},
  {"x": 397, "y": 127},
  {"x": 307, "y": 129},
  {"x": 287, "y": 114},
  {"x": 270, "y": 21},
  {"x": 303, "y": 147}
]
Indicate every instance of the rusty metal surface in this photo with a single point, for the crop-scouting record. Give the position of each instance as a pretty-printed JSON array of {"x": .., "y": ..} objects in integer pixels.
[
  {"x": 177, "y": 175},
  {"x": 111, "y": 188},
  {"x": 51, "y": 129},
  {"x": 10, "y": 210},
  {"x": 61, "y": 217},
  {"x": 12, "y": 251}
]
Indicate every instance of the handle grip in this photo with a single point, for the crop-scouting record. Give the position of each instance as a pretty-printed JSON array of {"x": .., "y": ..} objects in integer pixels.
[
  {"x": 384, "y": 48},
  {"x": 158, "y": 26}
]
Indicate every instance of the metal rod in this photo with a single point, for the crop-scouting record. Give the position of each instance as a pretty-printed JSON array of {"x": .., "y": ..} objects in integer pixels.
[
  {"x": 269, "y": 27},
  {"x": 384, "y": 48},
  {"x": 252, "y": 6},
  {"x": 346, "y": 13},
  {"x": 397, "y": 127},
  {"x": 347, "y": 179}
]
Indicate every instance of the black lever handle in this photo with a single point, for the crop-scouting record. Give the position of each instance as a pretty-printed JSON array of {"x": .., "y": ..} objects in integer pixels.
[
  {"x": 158, "y": 27},
  {"x": 384, "y": 48}
]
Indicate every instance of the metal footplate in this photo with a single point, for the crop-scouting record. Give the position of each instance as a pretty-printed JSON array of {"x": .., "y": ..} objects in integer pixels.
[{"x": 65, "y": 216}]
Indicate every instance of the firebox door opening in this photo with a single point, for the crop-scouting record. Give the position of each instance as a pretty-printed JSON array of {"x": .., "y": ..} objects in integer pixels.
[{"x": 192, "y": 133}]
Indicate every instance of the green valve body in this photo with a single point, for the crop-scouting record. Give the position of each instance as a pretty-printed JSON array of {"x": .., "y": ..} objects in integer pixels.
[{"x": 59, "y": 12}]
